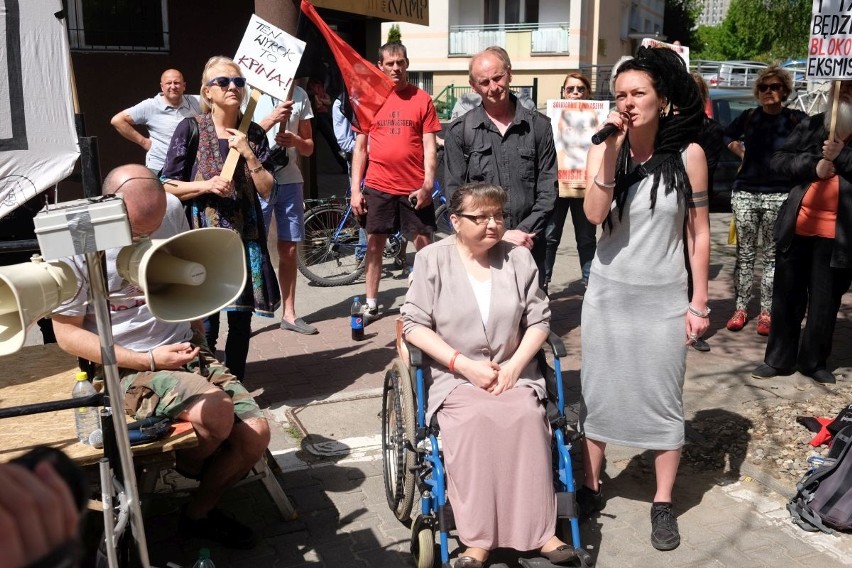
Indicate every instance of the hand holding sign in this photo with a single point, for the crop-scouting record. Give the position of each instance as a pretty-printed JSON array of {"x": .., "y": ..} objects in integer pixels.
[{"x": 268, "y": 58}]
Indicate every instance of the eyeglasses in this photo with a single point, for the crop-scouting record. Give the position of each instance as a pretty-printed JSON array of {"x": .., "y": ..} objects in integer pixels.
[
  {"x": 774, "y": 87},
  {"x": 575, "y": 89},
  {"x": 484, "y": 219},
  {"x": 225, "y": 82}
]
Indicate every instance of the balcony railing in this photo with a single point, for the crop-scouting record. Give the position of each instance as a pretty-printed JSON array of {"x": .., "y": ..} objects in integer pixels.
[{"x": 545, "y": 38}]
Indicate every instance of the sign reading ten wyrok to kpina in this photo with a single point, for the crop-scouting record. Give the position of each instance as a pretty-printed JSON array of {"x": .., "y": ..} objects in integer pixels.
[
  {"x": 830, "y": 47},
  {"x": 269, "y": 57}
]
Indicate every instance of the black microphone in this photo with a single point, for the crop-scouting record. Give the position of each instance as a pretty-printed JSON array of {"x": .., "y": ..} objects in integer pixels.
[{"x": 604, "y": 133}]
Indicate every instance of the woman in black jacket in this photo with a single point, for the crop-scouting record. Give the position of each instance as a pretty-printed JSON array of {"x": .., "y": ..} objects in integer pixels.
[{"x": 813, "y": 236}]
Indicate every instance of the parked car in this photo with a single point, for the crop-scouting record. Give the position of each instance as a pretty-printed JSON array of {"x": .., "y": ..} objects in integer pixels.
[
  {"x": 734, "y": 74},
  {"x": 728, "y": 104}
]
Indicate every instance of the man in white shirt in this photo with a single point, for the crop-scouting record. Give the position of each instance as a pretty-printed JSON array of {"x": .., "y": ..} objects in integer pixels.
[
  {"x": 288, "y": 200},
  {"x": 161, "y": 115}
]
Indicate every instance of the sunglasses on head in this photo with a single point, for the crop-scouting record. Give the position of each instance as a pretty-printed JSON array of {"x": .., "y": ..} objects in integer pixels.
[
  {"x": 774, "y": 87},
  {"x": 580, "y": 89},
  {"x": 224, "y": 82}
]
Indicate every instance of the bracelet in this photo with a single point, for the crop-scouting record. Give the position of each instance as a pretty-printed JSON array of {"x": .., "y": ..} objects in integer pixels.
[
  {"x": 255, "y": 170},
  {"x": 151, "y": 358},
  {"x": 609, "y": 185},
  {"x": 452, "y": 365},
  {"x": 693, "y": 311}
]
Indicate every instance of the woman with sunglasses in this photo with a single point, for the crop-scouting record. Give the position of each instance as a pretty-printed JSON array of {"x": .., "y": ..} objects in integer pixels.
[
  {"x": 575, "y": 87},
  {"x": 194, "y": 177},
  {"x": 758, "y": 192}
]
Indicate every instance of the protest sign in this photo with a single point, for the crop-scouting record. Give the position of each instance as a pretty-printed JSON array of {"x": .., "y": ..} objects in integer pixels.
[
  {"x": 830, "y": 46},
  {"x": 38, "y": 141},
  {"x": 269, "y": 57},
  {"x": 681, "y": 50},
  {"x": 574, "y": 122}
]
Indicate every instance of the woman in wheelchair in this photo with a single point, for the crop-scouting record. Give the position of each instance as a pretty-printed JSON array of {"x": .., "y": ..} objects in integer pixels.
[{"x": 476, "y": 311}]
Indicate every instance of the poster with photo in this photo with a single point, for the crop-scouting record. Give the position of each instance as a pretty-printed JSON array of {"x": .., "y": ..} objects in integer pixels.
[{"x": 574, "y": 122}]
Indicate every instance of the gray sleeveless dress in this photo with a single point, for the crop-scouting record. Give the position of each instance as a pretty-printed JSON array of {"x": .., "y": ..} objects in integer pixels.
[{"x": 634, "y": 326}]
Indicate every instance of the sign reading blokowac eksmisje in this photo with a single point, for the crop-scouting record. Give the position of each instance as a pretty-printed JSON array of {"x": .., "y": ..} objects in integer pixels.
[{"x": 830, "y": 46}]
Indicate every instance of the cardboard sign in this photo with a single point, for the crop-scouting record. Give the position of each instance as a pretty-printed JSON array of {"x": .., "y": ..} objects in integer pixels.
[
  {"x": 269, "y": 57},
  {"x": 681, "y": 50},
  {"x": 830, "y": 46},
  {"x": 574, "y": 123}
]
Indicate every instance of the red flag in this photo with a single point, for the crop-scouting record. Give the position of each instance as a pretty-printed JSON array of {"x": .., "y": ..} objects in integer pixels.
[{"x": 367, "y": 87}]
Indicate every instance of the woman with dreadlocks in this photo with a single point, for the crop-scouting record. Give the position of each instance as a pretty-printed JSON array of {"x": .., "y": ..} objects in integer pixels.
[{"x": 645, "y": 183}]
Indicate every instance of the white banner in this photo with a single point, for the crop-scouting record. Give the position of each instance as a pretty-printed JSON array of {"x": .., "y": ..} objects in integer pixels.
[
  {"x": 681, "y": 50},
  {"x": 574, "y": 123},
  {"x": 269, "y": 57},
  {"x": 38, "y": 142},
  {"x": 830, "y": 47}
]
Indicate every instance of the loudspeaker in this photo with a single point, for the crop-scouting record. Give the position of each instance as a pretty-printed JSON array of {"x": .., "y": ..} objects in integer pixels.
[
  {"x": 188, "y": 276},
  {"x": 28, "y": 292}
]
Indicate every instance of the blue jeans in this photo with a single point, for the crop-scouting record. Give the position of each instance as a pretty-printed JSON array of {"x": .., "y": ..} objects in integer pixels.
[
  {"x": 584, "y": 233},
  {"x": 237, "y": 344}
]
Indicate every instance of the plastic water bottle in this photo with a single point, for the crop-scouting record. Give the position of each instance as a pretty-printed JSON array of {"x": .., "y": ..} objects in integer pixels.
[
  {"x": 356, "y": 320},
  {"x": 203, "y": 559},
  {"x": 86, "y": 418}
]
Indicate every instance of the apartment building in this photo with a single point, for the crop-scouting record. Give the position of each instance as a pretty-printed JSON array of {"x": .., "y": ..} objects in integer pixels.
[
  {"x": 545, "y": 39},
  {"x": 714, "y": 12}
]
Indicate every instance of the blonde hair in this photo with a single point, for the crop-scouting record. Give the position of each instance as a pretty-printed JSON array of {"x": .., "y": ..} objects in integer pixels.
[{"x": 215, "y": 61}]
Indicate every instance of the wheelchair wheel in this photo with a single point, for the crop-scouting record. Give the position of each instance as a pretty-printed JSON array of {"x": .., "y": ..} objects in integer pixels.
[
  {"x": 423, "y": 545},
  {"x": 398, "y": 426}
]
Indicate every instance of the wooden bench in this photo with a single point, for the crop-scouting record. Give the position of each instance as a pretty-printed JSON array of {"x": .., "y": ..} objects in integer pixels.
[{"x": 44, "y": 373}]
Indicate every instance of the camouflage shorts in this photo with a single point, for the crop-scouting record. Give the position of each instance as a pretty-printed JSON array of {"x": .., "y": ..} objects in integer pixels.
[{"x": 169, "y": 392}]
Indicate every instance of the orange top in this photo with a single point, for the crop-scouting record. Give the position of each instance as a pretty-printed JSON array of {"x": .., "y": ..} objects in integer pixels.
[{"x": 818, "y": 213}]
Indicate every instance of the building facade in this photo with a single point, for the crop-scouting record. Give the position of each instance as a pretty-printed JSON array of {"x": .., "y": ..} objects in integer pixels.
[{"x": 544, "y": 38}]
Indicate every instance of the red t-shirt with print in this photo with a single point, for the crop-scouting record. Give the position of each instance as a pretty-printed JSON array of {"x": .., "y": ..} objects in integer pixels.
[{"x": 395, "y": 141}]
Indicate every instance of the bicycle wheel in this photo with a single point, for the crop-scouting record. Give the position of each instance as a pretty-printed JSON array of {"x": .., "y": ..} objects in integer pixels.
[
  {"x": 330, "y": 254},
  {"x": 442, "y": 220}
]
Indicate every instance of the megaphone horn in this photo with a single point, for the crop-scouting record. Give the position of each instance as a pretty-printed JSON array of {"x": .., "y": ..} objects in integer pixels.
[
  {"x": 28, "y": 292},
  {"x": 188, "y": 276}
]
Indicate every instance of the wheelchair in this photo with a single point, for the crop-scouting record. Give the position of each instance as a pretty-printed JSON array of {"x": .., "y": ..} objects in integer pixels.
[{"x": 412, "y": 460}]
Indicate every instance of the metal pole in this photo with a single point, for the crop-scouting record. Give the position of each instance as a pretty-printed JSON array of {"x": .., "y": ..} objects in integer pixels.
[
  {"x": 98, "y": 299},
  {"x": 109, "y": 517}
]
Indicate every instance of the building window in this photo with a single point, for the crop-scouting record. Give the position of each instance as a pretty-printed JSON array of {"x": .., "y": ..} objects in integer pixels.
[
  {"x": 514, "y": 12},
  {"x": 421, "y": 79},
  {"x": 118, "y": 25}
]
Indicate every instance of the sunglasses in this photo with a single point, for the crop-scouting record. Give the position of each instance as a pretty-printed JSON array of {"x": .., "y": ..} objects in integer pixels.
[
  {"x": 774, "y": 87},
  {"x": 224, "y": 82},
  {"x": 580, "y": 89}
]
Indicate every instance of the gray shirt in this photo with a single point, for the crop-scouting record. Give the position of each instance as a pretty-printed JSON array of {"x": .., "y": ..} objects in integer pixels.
[{"x": 161, "y": 119}]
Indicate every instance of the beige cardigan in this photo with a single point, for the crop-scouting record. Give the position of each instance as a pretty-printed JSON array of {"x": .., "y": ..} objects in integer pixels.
[{"x": 441, "y": 298}]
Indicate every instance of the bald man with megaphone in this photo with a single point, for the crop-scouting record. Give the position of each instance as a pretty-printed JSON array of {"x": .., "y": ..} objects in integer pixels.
[{"x": 165, "y": 365}]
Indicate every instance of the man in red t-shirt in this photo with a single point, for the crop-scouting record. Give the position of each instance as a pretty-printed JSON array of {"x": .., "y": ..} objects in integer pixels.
[{"x": 400, "y": 148}]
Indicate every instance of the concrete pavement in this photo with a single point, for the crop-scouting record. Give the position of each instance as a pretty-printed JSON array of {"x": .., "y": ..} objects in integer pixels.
[{"x": 322, "y": 393}]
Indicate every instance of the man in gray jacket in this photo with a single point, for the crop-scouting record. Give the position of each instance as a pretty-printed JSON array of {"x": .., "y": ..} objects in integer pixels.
[{"x": 504, "y": 143}]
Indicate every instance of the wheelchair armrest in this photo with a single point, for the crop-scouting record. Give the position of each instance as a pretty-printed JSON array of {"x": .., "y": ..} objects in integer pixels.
[
  {"x": 557, "y": 345},
  {"x": 415, "y": 355}
]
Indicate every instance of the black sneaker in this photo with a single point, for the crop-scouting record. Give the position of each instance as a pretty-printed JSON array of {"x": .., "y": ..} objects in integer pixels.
[
  {"x": 369, "y": 314},
  {"x": 218, "y": 526},
  {"x": 765, "y": 371},
  {"x": 664, "y": 533},
  {"x": 589, "y": 502}
]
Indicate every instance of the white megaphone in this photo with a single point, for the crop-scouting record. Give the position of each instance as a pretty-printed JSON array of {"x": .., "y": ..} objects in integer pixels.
[
  {"x": 188, "y": 276},
  {"x": 28, "y": 292}
]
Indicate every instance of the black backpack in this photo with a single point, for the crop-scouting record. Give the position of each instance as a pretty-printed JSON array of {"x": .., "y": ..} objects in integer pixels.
[{"x": 823, "y": 499}]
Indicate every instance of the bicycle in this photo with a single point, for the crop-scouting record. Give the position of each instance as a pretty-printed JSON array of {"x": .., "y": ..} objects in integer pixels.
[{"x": 333, "y": 250}]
